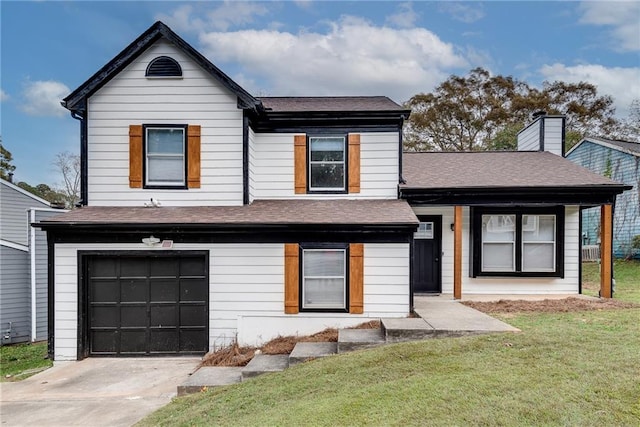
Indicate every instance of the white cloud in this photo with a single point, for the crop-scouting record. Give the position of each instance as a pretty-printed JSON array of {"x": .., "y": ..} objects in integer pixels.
[
  {"x": 621, "y": 83},
  {"x": 42, "y": 98},
  {"x": 353, "y": 57},
  {"x": 406, "y": 17},
  {"x": 622, "y": 16},
  {"x": 3, "y": 96},
  {"x": 227, "y": 15},
  {"x": 464, "y": 12}
]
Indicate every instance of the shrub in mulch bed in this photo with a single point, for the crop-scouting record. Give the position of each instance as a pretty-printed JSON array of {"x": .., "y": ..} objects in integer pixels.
[
  {"x": 548, "y": 305},
  {"x": 236, "y": 355}
]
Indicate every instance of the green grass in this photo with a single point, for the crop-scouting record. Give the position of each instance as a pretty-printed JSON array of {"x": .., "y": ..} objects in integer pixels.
[
  {"x": 576, "y": 369},
  {"x": 626, "y": 274},
  {"x": 18, "y": 361}
]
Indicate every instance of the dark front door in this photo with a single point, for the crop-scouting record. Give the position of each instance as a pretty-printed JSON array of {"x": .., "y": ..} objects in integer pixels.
[
  {"x": 427, "y": 255},
  {"x": 144, "y": 305}
]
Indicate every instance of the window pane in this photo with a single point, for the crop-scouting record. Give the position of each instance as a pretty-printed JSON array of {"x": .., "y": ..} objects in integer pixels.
[
  {"x": 498, "y": 257},
  {"x": 327, "y": 149},
  {"x": 327, "y": 176},
  {"x": 165, "y": 141},
  {"x": 324, "y": 263},
  {"x": 425, "y": 231},
  {"x": 498, "y": 228},
  {"x": 324, "y": 293},
  {"x": 165, "y": 169},
  {"x": 538, "y": 228},
  {"x": 538, "y": 257}
]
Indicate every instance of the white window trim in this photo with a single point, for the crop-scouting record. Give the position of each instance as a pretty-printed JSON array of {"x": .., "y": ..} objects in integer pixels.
[
  {"x": 343, "y": 277},
  {"x": 332, "y": 162}
]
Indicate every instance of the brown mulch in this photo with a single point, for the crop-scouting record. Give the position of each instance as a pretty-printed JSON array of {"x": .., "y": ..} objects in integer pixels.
[
  {"x": 548, "y": 305},
  {"x": 235, "y": 355}
]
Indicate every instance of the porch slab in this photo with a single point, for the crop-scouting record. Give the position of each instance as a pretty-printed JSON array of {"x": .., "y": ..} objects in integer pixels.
[
  {"x": 210, "y": 376},
  {"x": 450, "y": 318},
  {"x": 264, "y": 363},
  {"x": 305, "y": 351},
  {"x": 359, "y": 339}
]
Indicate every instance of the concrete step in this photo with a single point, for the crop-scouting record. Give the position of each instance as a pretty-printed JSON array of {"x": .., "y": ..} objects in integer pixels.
[
  {"x": 406, "y": 329},
  {"x": 359, "y": 339},
  {"x": 264, "y": 363},
  {"x": 210, "y": 376},
  {"x": 305, "y": 351}
]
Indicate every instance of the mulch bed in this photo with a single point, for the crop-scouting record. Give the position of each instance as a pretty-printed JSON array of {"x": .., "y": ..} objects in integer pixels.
[
  {"x": 548, "y": 305},
  {"x": 235, "y": 355}
]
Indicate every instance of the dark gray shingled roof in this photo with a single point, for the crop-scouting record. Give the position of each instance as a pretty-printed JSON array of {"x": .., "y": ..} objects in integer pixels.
[
  {"x": 329, "y": 103},
  {"x": 495, "y": 170},
  {"x": 268, "y": 212},
  {"x": 626, "y": 146}
]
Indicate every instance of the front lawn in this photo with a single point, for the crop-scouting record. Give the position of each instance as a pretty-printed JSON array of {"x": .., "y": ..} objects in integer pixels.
[
  {"x": 576, "y": 368},
  {"x": 626, "y": 274},
  {"x": 18, "y": 361}
]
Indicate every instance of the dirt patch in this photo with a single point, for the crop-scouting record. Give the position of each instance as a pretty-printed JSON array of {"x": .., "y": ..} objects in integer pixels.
[
  {"x": 548, "y": 305},
  {"x": 235, "y": 355}
]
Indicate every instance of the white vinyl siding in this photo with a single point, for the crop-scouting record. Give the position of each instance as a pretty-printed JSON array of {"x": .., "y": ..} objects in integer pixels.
[
  {"x": 246, "y": 288},
  {"x": 252, "y": 162},
  {"x": 506, "y": 285},
  {"x": 529, "y": 138},
  {"x": 272, "y": 167},
  {"x": 196, "y": 99},
  {"x": 553, "y": 135}
]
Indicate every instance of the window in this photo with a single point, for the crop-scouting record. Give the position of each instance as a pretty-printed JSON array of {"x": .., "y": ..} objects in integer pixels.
[
  {"x": 518, "y": 242},
  {"x": 327, "y": 160},
  {"x": 165, "y": 159},
  {"x": 324, "y": 279},
  {"x": 425, "y": 231}
]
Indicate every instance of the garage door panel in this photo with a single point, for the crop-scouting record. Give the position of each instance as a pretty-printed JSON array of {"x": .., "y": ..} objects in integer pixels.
[
  {"x": 133, "y": 316},
  {"x": 134, "y": 290},
  {"x": 163, "y": 316},
  {"x": 105, "y": 316},
  {"x": 104, "y": 341},
  {"x": 152, "y": 304},
  {"x": 192, "y": 266},
  {"x": 193, "y": 316},
  {"x": 193, "y": 290},
  {"x": 163, "y": 289},
  {"x": 105, "y": 290}
]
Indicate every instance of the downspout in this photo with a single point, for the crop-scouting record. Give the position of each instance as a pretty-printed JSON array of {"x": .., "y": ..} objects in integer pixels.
[
  {"x": 32, "y": 258},
  {"x": 84, "y": 167}
]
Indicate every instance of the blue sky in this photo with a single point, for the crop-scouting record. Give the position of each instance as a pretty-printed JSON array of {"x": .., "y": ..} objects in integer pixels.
[{"x": 305, "y": 48}]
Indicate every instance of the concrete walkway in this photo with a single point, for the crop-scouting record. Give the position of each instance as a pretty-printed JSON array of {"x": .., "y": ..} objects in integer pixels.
[{"x": 94, "y": 392}]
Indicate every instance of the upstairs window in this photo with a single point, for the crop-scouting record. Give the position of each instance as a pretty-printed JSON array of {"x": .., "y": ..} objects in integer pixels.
[
  {"x": 518, "y": 242},
  {"x": 163, "y": 66},
  {"x": 327, "y": 163},
  {"x": 165, "y": 159}
]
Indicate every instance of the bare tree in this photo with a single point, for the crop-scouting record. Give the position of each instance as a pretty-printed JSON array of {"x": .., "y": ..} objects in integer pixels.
[{"x": 67, "y": 164}]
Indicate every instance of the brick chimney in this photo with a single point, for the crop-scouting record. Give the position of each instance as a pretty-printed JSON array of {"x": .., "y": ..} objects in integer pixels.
[{"x": 544, "y": 133}]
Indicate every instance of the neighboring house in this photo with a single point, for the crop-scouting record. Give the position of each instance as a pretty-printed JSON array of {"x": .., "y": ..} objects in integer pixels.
[
  {"x": 211, "y": 216},
  {"x": 23, "y": 265},
  {"x": 618, "y": 160}
]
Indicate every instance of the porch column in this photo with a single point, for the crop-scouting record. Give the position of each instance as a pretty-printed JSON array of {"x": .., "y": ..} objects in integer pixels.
[
  {"x": 606, "y": 250},
  {"x": 457, "y": 252}
]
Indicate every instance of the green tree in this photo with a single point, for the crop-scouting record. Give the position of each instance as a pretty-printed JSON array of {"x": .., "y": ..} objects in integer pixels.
[
  {"x": 484, "y": 112},
  {"x": 6, "y": 158}
]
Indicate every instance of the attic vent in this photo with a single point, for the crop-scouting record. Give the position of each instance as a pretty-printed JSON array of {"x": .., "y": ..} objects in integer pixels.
[{"x": 163, "y": 66}]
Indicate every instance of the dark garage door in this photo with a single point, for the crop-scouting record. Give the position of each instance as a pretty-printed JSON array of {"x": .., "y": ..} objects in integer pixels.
[{"x": 147, "y": 305}]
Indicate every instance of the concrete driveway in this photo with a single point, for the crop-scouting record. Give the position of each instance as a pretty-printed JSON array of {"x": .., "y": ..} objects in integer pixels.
[{"x": 94, "y": 392}]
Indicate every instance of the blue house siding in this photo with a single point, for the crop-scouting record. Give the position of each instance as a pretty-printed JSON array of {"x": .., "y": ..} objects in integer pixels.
[{"x": 619, "y": 166}]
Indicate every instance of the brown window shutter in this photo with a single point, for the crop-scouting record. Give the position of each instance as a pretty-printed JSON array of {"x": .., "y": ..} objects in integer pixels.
[
  {"x": 193, "y": 156},
  {"x": 356, "y": 278},
  {"x": 135, "y": 156},
  {"x": 291, "y": 278},
  {"x": 354, "y": 163},
  {"x": 300, "y": 163}
]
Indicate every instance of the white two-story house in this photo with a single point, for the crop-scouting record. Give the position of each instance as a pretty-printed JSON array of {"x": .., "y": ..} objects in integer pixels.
[{"x": 211, "y": 216}]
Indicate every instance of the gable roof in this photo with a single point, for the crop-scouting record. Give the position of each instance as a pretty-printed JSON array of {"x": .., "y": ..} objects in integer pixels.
[
  {"x": 628, "y": 147},
  {"x": 24, "y": 192},
  {"x": 509, "y": 176},
  {"x": 329, "y": 103},
  {"x": 76, "y": 101}
]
